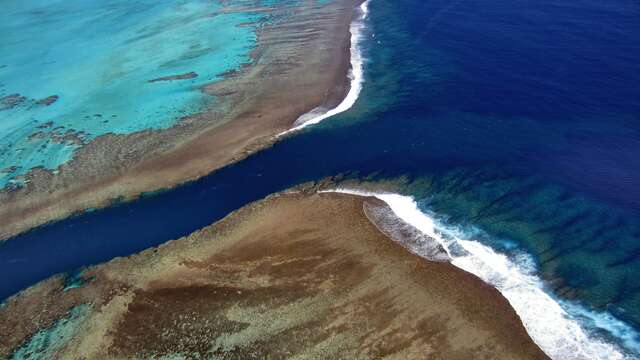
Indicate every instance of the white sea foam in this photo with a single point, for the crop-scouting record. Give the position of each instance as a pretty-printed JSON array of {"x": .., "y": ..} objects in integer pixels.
[
  {"x": 356, "y": 77},
  {"x": 555, "y": 326}
]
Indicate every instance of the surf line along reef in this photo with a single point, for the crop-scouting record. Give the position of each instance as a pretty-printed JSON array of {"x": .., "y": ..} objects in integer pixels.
[
  {"x": 297, "y": 274},
  {"x": 429, "y": 135},
  {"x": 76, "y": 302},
  {"x": 190, "y": 111}
]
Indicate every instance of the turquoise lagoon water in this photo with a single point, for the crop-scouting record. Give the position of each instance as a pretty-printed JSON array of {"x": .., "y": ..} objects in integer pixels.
[
  {"x": 515, "y": 125},
  {"x": 97, "y": 57}
]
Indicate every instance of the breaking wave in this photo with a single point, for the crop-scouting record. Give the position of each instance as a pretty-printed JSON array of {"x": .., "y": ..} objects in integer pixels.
[
  {"x": 563, "y": 330},
  {"x": 356, "y": 75}
]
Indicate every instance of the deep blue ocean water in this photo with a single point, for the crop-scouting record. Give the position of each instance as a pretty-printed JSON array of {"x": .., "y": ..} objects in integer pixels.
[{"x": 520, "y": 118}]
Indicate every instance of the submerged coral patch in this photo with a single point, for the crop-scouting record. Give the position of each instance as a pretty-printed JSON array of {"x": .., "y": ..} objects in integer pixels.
[
  {"x": 46, "y": 342},
  {"x": 89, "y": 68}
]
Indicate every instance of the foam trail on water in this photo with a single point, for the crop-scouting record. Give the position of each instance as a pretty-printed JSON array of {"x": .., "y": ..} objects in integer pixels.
[
  {"x": 356, "y": 75},
  {"x": 555, "y": 326}
]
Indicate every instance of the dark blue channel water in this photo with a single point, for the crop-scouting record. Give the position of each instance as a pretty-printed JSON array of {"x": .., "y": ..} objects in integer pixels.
[{"x": 520, "y": 118}]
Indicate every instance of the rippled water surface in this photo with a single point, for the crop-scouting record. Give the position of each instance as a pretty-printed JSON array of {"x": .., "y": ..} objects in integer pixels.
[{"x": 517, "y": 123}]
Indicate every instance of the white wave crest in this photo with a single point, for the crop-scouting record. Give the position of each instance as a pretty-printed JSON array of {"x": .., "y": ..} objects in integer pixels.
[
  {"x": 356, "y": 77},
  {"x": 554, "y": 326}
]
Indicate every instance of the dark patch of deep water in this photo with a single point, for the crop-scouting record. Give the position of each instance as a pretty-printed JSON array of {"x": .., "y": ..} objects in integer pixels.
[{"x": 518, "y": 117}]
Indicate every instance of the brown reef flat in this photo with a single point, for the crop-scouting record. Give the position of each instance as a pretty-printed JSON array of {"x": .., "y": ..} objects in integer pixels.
[
  {"x": 301, "y": 62},
  {"x": 301, "y": 275}
]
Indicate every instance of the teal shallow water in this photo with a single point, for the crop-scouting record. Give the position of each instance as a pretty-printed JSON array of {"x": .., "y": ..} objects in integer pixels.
[
  {"x": 516, "y": 125},
  {"x": 45, "y": 343},
  {"x": 97, "y": 58}
]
